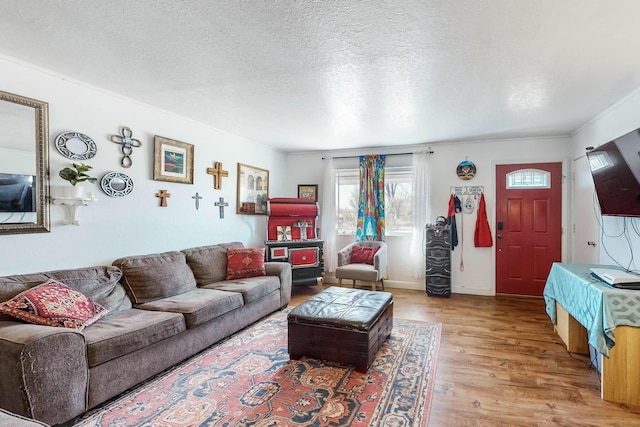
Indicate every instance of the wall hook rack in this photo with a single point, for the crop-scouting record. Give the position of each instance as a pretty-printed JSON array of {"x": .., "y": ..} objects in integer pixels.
[{"x": 467, "y": 190}]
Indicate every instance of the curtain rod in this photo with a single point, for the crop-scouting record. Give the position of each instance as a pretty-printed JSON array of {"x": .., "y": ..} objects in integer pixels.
[{"x": 429, "y": 151}]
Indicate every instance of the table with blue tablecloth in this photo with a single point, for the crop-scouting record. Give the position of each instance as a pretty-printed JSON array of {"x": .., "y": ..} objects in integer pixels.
[{"x": 611, "y": 318}]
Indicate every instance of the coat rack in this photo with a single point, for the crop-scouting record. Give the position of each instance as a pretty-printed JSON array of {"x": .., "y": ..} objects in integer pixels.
[
  {"x": 468, "y": 205},
  {"x": 463, "y": 190}
]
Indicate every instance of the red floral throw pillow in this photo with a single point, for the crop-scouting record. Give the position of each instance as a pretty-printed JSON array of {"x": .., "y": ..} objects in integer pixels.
[
  {"x": 245, "y": 262},
  {"x": 54, "y": 304},
  {"x": 362, "y": 255}
]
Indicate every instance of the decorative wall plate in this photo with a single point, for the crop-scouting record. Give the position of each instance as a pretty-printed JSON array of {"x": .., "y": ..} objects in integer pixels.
[
  {"x": 116, "y": 184},
  {"x": 466, "y": 170},
  {"x": 75, "y": 146}
]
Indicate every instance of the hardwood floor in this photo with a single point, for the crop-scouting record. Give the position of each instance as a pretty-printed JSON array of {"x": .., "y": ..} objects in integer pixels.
[{"x": 501, "y": 364}]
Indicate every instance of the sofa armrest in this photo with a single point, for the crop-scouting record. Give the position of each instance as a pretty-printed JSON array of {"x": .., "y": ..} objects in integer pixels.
[
  {"x": 37, "y": 362},
  {"x": 283, "y": 271}
]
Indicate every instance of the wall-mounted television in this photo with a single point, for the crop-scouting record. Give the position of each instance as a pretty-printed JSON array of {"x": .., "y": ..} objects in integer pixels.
[{"x": 615, "y": 167}]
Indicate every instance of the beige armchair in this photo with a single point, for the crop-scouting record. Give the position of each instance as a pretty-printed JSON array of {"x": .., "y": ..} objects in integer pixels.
[{"x": 372, "y": 273}]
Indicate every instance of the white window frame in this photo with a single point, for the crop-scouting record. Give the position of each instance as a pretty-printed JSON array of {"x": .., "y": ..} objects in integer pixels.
[{"x": 392, "y": 173}]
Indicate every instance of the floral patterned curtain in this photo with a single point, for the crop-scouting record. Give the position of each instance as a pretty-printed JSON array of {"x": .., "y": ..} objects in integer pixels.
[{"x": 370, "y": 224}]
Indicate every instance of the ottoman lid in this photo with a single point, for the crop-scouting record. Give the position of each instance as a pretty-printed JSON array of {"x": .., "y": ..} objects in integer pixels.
[{"x": 342, "y": 308}]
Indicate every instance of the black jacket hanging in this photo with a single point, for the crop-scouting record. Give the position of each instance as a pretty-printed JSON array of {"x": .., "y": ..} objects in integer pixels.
[{"x": 454, "y": 206}]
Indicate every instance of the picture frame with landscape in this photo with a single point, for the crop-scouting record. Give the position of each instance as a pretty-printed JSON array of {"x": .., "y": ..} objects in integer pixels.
[{"x": 173, "y": 161}]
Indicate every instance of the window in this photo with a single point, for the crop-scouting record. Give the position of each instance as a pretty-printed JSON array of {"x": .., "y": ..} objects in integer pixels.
[
  {"x": 528, "y": 178},
  {"x": 397, "y": 199}
]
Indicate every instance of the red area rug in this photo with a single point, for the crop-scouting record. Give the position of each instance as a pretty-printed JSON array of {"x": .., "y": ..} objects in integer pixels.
[{"x": 248, "y": 380}]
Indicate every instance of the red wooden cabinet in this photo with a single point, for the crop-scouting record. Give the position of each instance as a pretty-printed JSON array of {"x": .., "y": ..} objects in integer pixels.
[{"x": 291, "y": 237}]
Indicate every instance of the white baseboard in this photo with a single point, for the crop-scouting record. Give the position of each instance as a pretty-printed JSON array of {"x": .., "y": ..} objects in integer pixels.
[
  {"x": 399, "y": 284},
  {"x": 420, "y": 286}
]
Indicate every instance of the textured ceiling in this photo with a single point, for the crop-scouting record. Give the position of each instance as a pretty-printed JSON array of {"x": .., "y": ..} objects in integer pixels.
[{"x": 309, "y": 75}]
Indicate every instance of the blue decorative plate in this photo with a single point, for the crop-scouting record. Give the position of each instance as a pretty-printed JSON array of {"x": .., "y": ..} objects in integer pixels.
[{"x": 466, "y": 170}]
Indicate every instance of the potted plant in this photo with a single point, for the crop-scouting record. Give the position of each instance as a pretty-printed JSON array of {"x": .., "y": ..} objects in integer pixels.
[{"x": 75, "y": 176}]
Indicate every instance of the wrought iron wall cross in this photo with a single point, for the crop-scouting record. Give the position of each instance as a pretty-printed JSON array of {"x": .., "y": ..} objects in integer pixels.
[
  {"x": 197, "y": 197},
  {"x": 221, "y": 203},
  {"x": 126, "y": 145}
]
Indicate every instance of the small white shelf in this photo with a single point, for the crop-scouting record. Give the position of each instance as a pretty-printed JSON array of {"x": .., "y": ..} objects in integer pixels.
[{"x": 71, "y": 204}]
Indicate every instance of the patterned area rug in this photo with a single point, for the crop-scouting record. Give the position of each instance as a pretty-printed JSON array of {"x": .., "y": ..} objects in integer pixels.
[{"x": 248, "y": 380}]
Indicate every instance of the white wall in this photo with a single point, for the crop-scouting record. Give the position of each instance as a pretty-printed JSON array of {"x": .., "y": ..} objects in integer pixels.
[
  {"x": 616, "y": 247},
  {"x": 136, "y": 224},
  {"x": 478, "y": 276}
]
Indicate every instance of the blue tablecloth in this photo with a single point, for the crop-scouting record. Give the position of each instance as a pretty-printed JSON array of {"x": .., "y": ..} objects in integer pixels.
[{"x": 596, "y": 305}]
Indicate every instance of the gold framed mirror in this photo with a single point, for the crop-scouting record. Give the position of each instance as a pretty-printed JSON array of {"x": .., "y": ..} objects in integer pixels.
[{"x": 24, "y": 165}]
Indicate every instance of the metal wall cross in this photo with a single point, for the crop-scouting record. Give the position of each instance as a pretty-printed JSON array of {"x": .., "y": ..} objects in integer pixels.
[
  {"x": 197, "y": 197},
  {"x": 302, "y": 224},
  {"x": 163, "y": 195},
  {"x": 218, "y": 173},
  {"x": 221, "y": 203},
  {"x": 126, "y": 145}
]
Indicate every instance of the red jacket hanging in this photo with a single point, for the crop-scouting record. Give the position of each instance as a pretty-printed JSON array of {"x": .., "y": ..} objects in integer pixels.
[{"x": 482, "y": 236}]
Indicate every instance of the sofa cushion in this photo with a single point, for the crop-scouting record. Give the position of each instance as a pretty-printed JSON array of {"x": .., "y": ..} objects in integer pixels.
[
  {"x": 99, "y": 283},
  {"x": 209, "y": 263},
  {"x": 197, "y": 306},
  {"x": 151, "y": 277},
  {"x": 252, "y": 288},
  {"x": 54, "y": 304},
  {"x": 127, "y": 331},
  {"x": 245, "y": 262}
]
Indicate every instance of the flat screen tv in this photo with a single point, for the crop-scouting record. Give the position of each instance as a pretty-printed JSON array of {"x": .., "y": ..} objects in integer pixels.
[{"x": 615, "y": 167}]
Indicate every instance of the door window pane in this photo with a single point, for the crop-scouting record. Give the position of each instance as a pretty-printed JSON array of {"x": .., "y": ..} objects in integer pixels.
[{"x": 529, "y": 178}]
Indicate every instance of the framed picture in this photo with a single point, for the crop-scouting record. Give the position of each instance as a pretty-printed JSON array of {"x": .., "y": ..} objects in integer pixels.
[
  {"x": 308, "y": 191},
  {"x": 253, "y": 190},
  {"x": 173, "y": 161}
]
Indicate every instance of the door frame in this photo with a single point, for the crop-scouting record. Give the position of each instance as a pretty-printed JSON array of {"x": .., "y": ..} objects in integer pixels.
[{"x": 567, "y": 210}]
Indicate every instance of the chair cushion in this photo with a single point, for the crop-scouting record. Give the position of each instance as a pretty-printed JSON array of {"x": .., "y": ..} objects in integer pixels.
[
  {"x": 127, "y": 331},
  {"x": 364, "y": 272},
  {"x": 54, "y": 304},
  {"x": 252, "y": 288},
  {"x": 363, "y": 255},
  {"x": 197, "y": 306}
]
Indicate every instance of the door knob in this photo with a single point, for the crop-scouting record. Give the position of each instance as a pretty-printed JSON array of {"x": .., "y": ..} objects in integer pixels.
[
  {"x": 499, "y": 236},
  {"x": 591, "y": 243}
]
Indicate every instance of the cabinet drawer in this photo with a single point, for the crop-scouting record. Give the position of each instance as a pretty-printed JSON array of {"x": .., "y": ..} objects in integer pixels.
[{"x": 304, "y": 257}]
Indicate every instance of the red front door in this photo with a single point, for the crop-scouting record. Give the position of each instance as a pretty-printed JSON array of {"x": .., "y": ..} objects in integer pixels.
[{"x": 528, "y": 228}]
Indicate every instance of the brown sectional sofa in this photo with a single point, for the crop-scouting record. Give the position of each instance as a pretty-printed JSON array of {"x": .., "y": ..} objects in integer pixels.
[{"x": 163, "y": 308}]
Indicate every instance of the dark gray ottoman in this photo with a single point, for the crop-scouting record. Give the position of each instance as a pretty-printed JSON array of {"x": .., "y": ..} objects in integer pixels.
[{"x": 341, "y": 325}]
